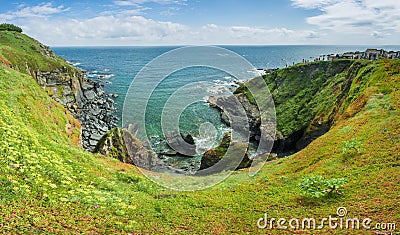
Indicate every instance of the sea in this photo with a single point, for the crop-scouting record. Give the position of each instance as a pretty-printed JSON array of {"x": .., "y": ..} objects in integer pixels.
[{"x": 117, "y": 67}]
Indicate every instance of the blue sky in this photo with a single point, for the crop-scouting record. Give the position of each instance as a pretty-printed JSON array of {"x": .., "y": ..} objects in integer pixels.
[{"x": 206, "y": 22}]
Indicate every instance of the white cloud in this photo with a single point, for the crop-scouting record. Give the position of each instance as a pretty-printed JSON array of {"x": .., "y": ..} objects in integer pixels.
[
  {"x": 344, "y": 22},
  {"x": 41, "y": 10},
  {"x": 139, "y": 2},
  {"x": 102, "y": 30},
  {"x": 170, "y": 11},
  {"x": 243, "y": 35},
  {"x": 139, "y": 10},
  {"x": 312, "y": 4},
  {"x": 125, "y": 29},
  {"x": 354, "y": 16}
]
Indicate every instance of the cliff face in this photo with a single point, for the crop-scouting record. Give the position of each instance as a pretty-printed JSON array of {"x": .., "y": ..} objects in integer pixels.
[
  {"x": 84, "y": 98},
  {"x": 307, "y": 97}
]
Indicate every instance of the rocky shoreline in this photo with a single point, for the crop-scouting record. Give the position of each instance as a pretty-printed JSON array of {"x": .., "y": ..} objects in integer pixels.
[{"x": 85, "y": 99}]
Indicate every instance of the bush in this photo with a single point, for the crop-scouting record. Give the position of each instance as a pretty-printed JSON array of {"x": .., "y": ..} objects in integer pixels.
[
  {"x": 351, "y": 148},
  {"x": 10, "y": 27},
  {"x": 353, "y": 144},
  {"x": 317, "y": 187}
]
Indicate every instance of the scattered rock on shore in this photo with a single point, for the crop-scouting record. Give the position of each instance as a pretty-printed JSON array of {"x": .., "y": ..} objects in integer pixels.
[{"x": 85, "y": 100}]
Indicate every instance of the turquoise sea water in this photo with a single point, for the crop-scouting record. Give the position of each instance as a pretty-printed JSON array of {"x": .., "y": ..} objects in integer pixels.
[{"x": 116, "y": 67}]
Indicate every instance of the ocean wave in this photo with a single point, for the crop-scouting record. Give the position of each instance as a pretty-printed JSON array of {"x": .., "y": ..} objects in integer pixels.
[
  {"x": 222, "y": 87},
  {"x": 217, "y": 90},
  {"x": 208, "y": 142},
  {"x": 74, "y": 63},
  {"x": 92, "y": 75},
  {"x": 105, "y": 76},
  {"x": 225, "y": 83},
  {"x": 205, "y": 100}
]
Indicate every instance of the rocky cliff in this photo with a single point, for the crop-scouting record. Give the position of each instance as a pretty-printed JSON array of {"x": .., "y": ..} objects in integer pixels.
[
  {"x": 307, "y": 98},
  {"x": 84, "y": 98}
]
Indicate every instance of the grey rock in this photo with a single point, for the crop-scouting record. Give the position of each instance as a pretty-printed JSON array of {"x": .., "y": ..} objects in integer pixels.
[
  {"x": 92, "y": 143},
  {"x": 87, "y": 86},
  {"x": 101, "y": 101},
  {"x": 141, "y": 155},
  {"x": 67, "y": 91},
  {"x": 168, "y": 153},
  {"x": 96, "y": 136},
  {"x": 85, "y": 99},
  {"x": 90, "y": 95},
  {"x": 95, "y": 110},
  {"x": 177, "y": 142}
]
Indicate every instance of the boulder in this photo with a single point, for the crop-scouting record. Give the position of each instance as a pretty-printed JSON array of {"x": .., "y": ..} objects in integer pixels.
[
  {"x": 184, "y": 145},
  {"x": 96, "y": 136},
  {"x": 87, "y": 86},
  {"x": 227, "y": 158},
  {"x": 112, "y": 144},
  {"x": 90, "y": 94},
  {"x": 122, "y": 145},
  {"x": 188, "y": 138}
]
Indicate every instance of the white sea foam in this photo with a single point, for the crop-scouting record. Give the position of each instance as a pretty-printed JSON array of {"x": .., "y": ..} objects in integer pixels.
[
  {"x": 73, "y": 63},
  {"x": 209, "y": 138},
  {"x": 105, "y": 76},
  {"x": 92, "y": 75}
]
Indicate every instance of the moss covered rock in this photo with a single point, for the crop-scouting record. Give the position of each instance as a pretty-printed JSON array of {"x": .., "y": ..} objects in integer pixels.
[
  {"x": 227, "y": 158},
  {"x": 112, "y": 144},
  {"x": 307, "y": 97},
  {"x": 121, "y": 144}
]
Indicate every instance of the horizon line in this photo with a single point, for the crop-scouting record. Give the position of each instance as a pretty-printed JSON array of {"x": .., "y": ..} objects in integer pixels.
[{"x": 232, "y": 45}]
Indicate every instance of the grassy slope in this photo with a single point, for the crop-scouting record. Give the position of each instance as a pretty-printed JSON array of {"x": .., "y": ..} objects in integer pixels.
[
  {"x": 51, "y": 186},
  {"x": 22, "y": 51},
  {"x": 304, "y": 94}
]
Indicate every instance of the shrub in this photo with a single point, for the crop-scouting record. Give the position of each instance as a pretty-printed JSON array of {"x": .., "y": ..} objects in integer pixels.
[
  {"x": 10, "y": 27},
  {"x": 353, "y": 144},
  {"x": 351, "y": 149},
  {"x": 317, "y": 186}
]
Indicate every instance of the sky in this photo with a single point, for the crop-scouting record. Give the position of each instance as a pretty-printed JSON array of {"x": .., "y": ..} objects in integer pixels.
[{"x": 206, "y": 22}]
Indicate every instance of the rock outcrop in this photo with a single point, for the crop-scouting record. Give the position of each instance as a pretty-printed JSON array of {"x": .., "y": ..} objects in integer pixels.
[
  {"x": 251, "y": 115},
  {"x": 179, "y": 143},
  {"x": 84, "y": 98},
  {"x": 121, "y": 144},
  {"x": 306, "y": 98},
  {"x": 112, "y": 145},
  {"x": 226, "y": 159}
]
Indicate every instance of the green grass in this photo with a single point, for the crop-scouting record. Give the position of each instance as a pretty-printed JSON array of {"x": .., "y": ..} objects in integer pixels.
[
  {"x": 305, "y": 93},
  {"x": 51, "y": 186},
  {"x": 27, "y": 55}
]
